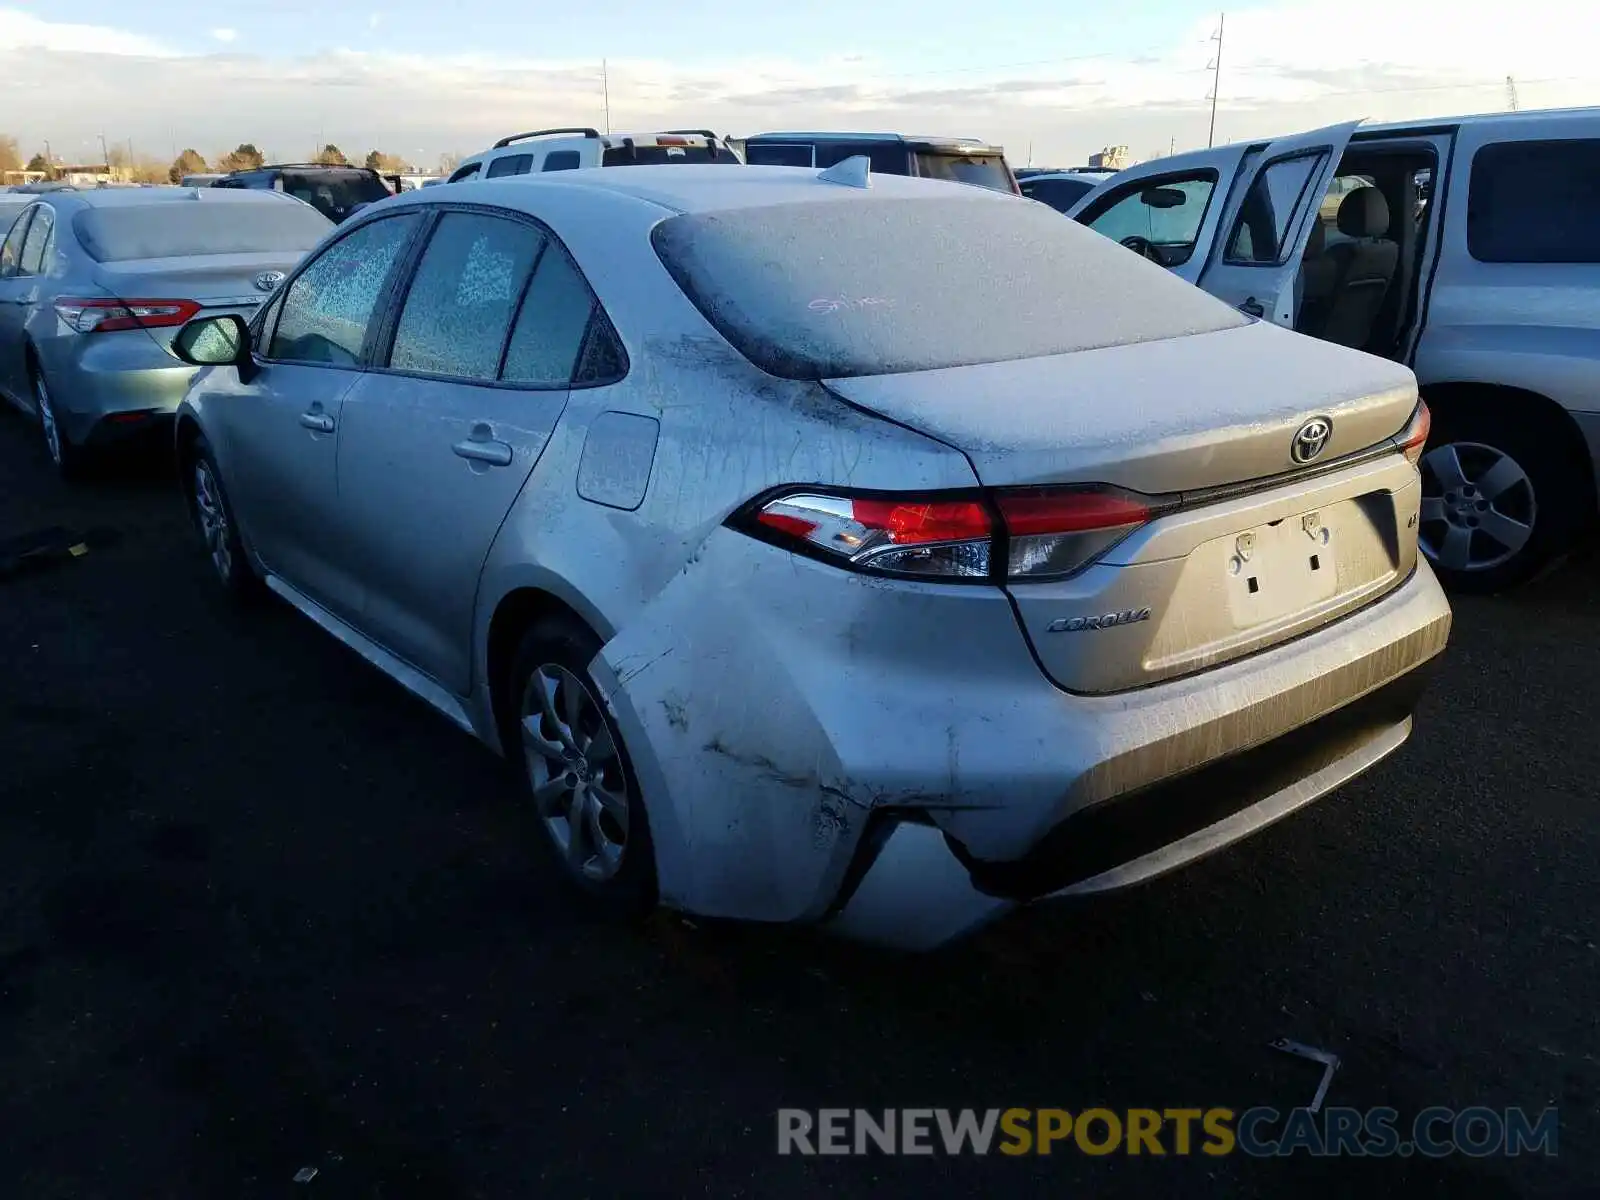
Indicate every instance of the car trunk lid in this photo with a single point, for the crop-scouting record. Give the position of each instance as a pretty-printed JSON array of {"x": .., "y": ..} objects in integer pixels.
[
  {"x": 217, "y": 283},
  {"x": 1249, "y": 546}
]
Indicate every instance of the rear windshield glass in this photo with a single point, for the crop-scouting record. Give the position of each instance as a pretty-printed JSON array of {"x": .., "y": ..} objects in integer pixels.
[
  {"x": 623, "y": 156},
  {"x": 879, "y": 286},
  {"x": 985, "y": 170},
  {"x": 334, "y": 193},
  {"x": 183, "y": 227}
]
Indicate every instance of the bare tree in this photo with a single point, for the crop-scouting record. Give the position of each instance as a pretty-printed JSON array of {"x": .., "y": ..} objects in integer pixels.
[
  {"x": 330, "y": 155},
  {"x": 10, "y": 157},
  {"x": 385, "y": 164}
]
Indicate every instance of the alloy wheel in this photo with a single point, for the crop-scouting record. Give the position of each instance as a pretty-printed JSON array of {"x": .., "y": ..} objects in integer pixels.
[
  {"x": 1478, "y": 507},
  {"x": 213, "y": 519},
  {"x": 575, "y": 770}
]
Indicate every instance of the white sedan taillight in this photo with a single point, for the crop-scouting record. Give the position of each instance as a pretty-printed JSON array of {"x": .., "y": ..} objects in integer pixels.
[{"x": 1020, "y": 534}]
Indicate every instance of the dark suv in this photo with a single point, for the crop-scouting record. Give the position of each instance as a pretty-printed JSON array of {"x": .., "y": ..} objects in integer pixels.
[
  {"x": 963, "y": 160},
  {"x": 335, "y": 192}
]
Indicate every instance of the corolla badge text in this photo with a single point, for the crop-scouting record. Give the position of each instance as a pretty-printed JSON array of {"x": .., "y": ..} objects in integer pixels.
[{"x": 1127, "y": 616}]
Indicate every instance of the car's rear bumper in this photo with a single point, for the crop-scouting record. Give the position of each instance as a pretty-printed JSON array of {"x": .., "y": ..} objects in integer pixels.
[
  {"x": 917, "y": 888},
  {"x": 809, "y": 743},
  {"x": 107, "y": 387}
]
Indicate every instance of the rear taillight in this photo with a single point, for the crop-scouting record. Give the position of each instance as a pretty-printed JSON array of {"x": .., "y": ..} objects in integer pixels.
[
  {"x": 1414, "y": 437},
  {"x": 97, "y": 314},
  {"x": 1021, "y": 534}
]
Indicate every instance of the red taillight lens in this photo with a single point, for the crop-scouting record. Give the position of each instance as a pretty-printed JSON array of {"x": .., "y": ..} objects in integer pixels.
[
  {"x": 1024, "y": 534},
  {"x": 910, "y": 535},
  {"x": 96, "y": 314},
  {"x": 1414, "y": 437},
  {"x": 1056, "y": 531}
]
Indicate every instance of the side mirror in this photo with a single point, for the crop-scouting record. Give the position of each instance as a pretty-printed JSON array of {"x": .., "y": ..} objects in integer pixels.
[
  {"x": 216, "y": 342},
  {"x": 1162, "y": 197}
]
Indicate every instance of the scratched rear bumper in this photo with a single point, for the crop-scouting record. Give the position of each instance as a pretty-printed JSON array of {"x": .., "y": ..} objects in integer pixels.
[{"x": 811, "y": 742}]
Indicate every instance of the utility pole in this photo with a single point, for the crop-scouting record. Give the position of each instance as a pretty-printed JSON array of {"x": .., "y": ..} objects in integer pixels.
[
  {"x": 605, "y": 85},
  {"x": 105, "y": 155},
  {"x": 1511, "y": 93},
  {"x": 1030, "y": 153},
  {"x": 1216, "y": 79}
]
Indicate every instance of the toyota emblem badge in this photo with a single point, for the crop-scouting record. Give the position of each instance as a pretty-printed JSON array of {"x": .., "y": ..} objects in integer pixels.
[
  {"x": 268, "y": 280},
  {"x": 1311, "y": 439}
]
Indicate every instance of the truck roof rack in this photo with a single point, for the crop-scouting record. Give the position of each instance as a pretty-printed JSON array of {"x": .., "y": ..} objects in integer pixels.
[
  {"x": 533, "y": 133},
  {"x": 705, "y": 133}
]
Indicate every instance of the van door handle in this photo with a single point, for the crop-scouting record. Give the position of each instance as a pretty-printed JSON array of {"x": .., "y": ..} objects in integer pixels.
[
  {"x": 1253, "y": 307},
  {"x": 317, "y": 422},
  {"x": 496, "y": 454}
]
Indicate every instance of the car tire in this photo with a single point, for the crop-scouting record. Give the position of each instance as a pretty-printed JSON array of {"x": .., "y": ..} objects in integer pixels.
[
  {"x": 214, "y": 522},
  {"x": 1501, "y": 497},
  {"x": 577, "y": 776},
  {"x": 67, "y": 457}
]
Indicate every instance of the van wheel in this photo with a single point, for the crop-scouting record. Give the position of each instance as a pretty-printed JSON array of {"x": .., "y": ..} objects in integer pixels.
[
  {"x": 1499, "y": 499},
  {"x": 579, "y": 780}
]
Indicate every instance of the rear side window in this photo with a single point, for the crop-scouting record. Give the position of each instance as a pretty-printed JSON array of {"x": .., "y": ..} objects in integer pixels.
[
  {"x": 1535, "y": 202},
  {"x": 11, "y": 249},
  {"x": 466, "y": 172},
  {"x": 884, "y": 158},
  {"x": 1059, "y": 194},
  {"x": 328, "y": 306},
  {"x": 1269, "y": 210},
  {"x": 37, "y": 245},
  {"x": 464, "y": 295},
  {"x": 560, "y": 160},
  {"x": 510, "y": 164},
  {"x": 183, "y": 227},
  {"x": 551, "y": 326},
  {"x": 787, "y": 154},
  {"x": 335, "y": 192},
  {"x": 877, "y": 286}
]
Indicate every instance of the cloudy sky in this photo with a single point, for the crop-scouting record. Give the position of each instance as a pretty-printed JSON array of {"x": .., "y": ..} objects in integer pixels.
[{"x": 421, "y": 77}]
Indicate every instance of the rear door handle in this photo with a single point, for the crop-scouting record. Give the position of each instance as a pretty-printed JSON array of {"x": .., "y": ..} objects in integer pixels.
[
  {"x": 496, "y": 454},
  {"x": 317, "y": 422},
  {"x": 1253, "y": 307}
]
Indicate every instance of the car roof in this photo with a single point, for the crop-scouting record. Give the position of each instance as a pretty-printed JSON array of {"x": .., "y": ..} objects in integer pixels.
[
  {"x": 1560, "y": 115},
  {"x": 142, "y": 197},
  {"x": 701, "y": 187}
]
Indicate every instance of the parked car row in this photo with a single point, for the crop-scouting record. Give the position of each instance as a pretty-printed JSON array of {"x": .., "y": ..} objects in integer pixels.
[{"x": 671, "y": 484}]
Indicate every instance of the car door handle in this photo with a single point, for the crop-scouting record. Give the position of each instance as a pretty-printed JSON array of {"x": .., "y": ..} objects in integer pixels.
[
  {"x": 317, "y": 422},
  {"x": 1253, "y": 307},
  {"x": 496, "y": 454}
]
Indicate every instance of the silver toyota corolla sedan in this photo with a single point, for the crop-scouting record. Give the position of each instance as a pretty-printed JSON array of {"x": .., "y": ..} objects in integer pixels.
[
  {"x": 94, "y": 284},
  {"x": 868, "y": 551}
]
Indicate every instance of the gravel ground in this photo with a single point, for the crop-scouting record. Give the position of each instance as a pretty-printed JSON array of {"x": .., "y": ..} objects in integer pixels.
[{"x": 260, "y": 910}]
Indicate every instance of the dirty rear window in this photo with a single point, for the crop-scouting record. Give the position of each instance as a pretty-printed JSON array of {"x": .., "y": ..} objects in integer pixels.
[
  {"x": 984, "y": 170},
  {"x": 638, "y": 156},
  {"x": 183, "y": 227},
  {"x": 874, "y": 286}
]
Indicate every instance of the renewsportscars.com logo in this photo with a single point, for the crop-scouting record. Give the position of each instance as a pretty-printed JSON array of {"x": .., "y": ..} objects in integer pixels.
[{"x": 1258, "y": 1132}]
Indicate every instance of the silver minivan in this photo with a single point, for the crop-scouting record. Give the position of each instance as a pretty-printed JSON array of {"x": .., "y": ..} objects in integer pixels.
[{"x": 1467, "y": 249}]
